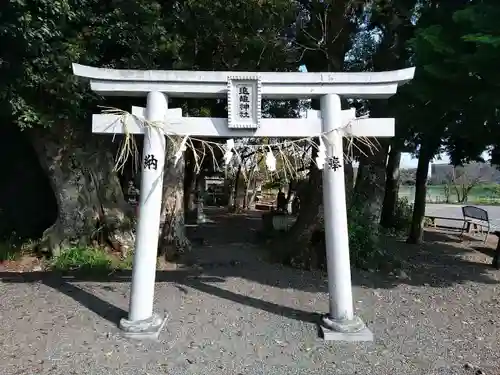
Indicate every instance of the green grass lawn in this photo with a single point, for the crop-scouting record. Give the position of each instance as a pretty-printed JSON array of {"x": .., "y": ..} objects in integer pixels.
[{"x": 480, "y": 194}]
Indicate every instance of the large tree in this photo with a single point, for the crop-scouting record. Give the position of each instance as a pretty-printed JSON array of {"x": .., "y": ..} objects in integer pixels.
[
  {"x": 324, "y": 34},
  {"x": 392, "y": 23},
  {"x": 39, "y": 41},
  {"x": 454, "y": 108}
]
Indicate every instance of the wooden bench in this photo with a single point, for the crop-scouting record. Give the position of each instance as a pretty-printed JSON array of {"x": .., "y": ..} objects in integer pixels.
[{"x": 474, "y": 220}]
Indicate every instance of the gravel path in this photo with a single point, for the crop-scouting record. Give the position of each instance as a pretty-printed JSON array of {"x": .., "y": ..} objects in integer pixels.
[{"x": 238, "y": 315}]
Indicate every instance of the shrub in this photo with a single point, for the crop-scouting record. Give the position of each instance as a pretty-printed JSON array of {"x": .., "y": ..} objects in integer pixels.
[
  {"x": 402, "y": 216},
  {"x": 7, "y": 252},
  {"x": 13, "y": 247},
  {"x": 363, "y": 239},
  {"x": 363, "y": 244}
]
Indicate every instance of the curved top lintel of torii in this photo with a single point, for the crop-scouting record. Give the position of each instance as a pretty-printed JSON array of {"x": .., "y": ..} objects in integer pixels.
[{"x": 275, "y": 85}]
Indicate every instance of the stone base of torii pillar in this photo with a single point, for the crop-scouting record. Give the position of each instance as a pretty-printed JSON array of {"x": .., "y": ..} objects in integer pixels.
[{"x": 353, "y": 331}]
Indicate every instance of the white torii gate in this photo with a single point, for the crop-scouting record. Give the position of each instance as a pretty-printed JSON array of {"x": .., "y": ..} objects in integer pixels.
[{"x": 244, "y": 91}]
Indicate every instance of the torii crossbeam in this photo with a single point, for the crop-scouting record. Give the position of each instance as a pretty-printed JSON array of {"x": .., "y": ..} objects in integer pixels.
[{"x": 244, "y": 91}]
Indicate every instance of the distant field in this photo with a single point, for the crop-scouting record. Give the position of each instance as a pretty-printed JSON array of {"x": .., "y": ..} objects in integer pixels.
[
  {"x": 480, "y": 194},
  {"x": 485, "y": 194}
]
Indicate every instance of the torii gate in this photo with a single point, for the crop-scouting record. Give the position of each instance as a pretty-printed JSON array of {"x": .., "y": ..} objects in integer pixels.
[{"x": 244, "y": 91}]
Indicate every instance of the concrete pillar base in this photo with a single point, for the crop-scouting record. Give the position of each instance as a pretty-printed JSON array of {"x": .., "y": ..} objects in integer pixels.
[
  {"x": 345, "y": 330},
  {"x": 143, "y": 329}
]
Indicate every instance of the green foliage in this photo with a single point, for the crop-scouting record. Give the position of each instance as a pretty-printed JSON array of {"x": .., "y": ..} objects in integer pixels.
[
  {"x": 91, "y": 259},
  {"x": 363, "y": 239},
  {"x": 40, "y": 39},
  {"x": 364, "y": 247},
  {"x": 402, "y": 216},
  {"x": 13, "y": 247},
  {"x": 7, "y": 252},
  {"x": 82, "y": 258},
  {"x": 453, "y": 98},
  {"x": 479, "y": 194}
]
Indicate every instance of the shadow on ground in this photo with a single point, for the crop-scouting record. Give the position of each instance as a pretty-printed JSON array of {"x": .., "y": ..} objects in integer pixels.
[
  {"x": 63, "y": 282},
  {"x": 441, "y": 261},
  {"x": 444, "y": 259}
]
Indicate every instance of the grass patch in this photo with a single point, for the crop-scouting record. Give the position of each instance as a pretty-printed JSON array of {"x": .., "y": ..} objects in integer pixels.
[
  {"x": 13, "y": 248},
  {"x": 83, "y": 258},
  {"x": 9, "y": 252},
  {"x": 91, "y": 259},
  {"x": 481, "y": 194},
  {"x": 77, "y": 258},
  {"x": 72, "y": 259},
  {"x": 123, "y": 264}
]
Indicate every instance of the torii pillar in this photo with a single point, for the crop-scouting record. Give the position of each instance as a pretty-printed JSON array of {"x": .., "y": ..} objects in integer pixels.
[{"x": 244, "y": 91}]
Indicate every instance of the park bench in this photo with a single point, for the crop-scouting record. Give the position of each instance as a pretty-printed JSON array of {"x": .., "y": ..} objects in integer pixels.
[{"x": 474, "y": 220}]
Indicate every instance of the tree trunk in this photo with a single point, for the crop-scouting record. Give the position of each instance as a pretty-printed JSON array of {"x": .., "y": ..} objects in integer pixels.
[
  {"x": 391, "y": 188},
  {"x": 234, "y": 202},
  {"x": 189, "y": 181},
  {"x": 200, "y": 197},
  {"x": 255, "y": 189},
  {"x": 173, "y": 240},
  {"x": 247, "y": 191},
  {"x": 291, "y": 188},
  {"x": 349, "y": 181},
  {"x": 417, "y": 223},
  {"x": 360, "y": 174},
  {"x": 291, "y": 194},
  {"x": 189, "y": 194},
  {"x": 240, "y": 196},
  {"x": 91, "y": 205},
  {"x": 300, "y": 247},
  {"x": 370, "y": 182}
]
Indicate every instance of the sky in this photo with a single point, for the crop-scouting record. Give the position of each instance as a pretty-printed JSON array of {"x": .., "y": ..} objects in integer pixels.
[{"x": 408, "y": 161}]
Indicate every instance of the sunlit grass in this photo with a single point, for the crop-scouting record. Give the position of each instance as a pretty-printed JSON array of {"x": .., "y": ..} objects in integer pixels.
[{"x": 89, "y": 258}]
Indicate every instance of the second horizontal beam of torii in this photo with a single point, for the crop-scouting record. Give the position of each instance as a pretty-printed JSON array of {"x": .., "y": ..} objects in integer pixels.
[{"x": 175, "y": 124}]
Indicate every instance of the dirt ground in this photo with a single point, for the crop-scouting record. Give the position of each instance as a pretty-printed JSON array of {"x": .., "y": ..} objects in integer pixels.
[{"x": 230, "y": 312}]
